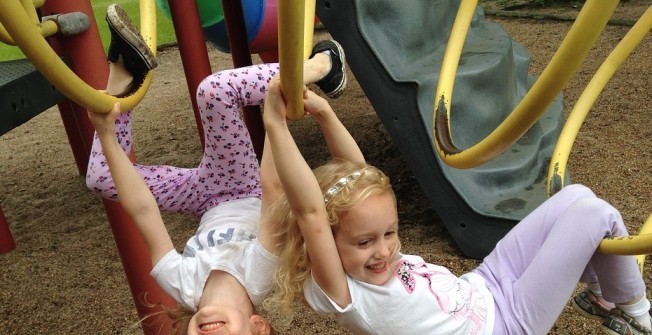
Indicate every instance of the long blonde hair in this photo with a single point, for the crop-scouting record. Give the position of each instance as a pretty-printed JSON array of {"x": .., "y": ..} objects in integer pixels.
[
  {"x": 179, "y": 315},
  {"x": 295, "y": 265}
]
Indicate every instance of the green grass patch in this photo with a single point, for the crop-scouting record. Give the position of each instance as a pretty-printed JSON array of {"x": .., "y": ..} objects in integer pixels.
[{"x": 164, "y": 30}]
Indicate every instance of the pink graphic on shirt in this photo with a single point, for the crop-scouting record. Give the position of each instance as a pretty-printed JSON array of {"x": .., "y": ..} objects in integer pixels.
[{"x": 454, "y": 296}]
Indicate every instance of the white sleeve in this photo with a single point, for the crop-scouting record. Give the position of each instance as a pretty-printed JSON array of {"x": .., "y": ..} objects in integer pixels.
[
  {"x": 175, "y": 279},
  {"x": 258, "y": 269},
  {"x": 351, "y": 316},
  {"x": 320, "y": 302}
]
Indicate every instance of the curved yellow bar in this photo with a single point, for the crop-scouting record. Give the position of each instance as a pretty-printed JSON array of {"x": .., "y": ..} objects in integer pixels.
[
  {"x": 308, "y": 28},
  {"x": 559, "y": 159},
  {"x": 30, "y": 10},
  {"x": 47, "y": 28},
  {"x": 4, "y": 36},
  {"x": 630, "y": 245},
  {"x": 645, "y": 230},
  {"x": 460, "y": 29},
  {"x": 28, "y": 38},
  {"x": 291, "y": 17},
  {"x": 587, "y": 27}
]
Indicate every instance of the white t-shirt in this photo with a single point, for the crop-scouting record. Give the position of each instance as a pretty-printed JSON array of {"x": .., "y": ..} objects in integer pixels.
[
  {"x": 226, "y": 241},
  {"x": 421, "y": 298}
]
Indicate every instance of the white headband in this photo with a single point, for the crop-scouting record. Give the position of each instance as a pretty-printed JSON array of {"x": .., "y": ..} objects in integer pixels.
[{"x": 340, "y": 184}]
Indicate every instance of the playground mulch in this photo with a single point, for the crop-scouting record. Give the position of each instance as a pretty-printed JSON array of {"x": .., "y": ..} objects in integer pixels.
[{"x": 65, "y": 276}]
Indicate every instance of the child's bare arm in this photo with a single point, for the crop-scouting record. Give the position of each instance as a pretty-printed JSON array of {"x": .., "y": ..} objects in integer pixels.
[
  {"x": 340, "y": 144},
  {"x": 338, "y": 139},
  {"x": 272, "y": 189},
  {"x": 305, "y": 198},
  {"x": 133, "y": 193}
]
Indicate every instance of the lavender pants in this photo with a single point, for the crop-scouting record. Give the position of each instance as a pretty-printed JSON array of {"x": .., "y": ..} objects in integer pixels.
[
  {"x": 228, "y": 169},
  {"x": 536, "y": 267}
]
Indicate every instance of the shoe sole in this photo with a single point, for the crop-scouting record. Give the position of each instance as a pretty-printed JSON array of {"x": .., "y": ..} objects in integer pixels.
[
  {"x": 584, "y": 313},
  {"x": 118, "y": 19},
  {"x": 340, "y": 89},
  {"x": 607, "y": 331}
]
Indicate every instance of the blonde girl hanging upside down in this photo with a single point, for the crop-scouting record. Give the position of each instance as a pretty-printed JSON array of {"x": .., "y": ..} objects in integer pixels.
[
  {"x": 342, "y": 254},
  {"x": 226, "y": 268}
]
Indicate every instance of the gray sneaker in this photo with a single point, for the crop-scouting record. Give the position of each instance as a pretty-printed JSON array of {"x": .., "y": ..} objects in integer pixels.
[
  {"x": 589, "y": 306},
  {"x": 619, "y": 323}
]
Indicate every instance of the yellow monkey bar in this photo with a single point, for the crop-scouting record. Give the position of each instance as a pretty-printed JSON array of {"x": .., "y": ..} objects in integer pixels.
[
  {"x": 583, "y": 34},
  {"x": 47, "y": 28},
  {"x": 295, "y": 31},
  {"x": 589, "y": 24},
  {"x": 21, "y": 25},
  {"x": 641, "y": 243},
  {"x": 576, "y": 117},
  {"x": 646, "y": 230}
]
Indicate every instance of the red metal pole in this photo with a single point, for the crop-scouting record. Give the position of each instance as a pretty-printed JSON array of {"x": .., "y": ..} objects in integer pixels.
[
  {"x": 239, "y": 45},
  {"x": 88, "y": 61},
  {"x": 192, "y": 48},
  {"x": 7, "y": 243},
  {"x": 77, "y": 127}
]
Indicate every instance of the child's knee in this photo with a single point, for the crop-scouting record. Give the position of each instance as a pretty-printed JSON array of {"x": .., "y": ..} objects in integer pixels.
[
  {"x": 593, "y": 205},
  {"x": 206, "y": 85},
  {"x": 596, "y": 211},
  {"x": 571, "y": 194},
  {"x": 90, "y": 183},
  {"x": 578, "y": 191},
  {"x": 214, "y": 82},
  {"x": 97, "y": 177}
]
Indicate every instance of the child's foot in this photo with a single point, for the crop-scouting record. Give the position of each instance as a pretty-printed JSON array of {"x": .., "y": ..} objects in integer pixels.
[
  {"x": 127, "y": 42},
  {"x": 334, "y": 82},
  {"x": 590, "y": 306},
  {"x": 620, "y": 323}
]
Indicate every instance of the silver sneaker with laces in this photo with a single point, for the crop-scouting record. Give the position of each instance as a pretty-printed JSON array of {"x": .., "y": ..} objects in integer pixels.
[
  {"x": 589, "y": 306},
  {"x": 620, "y": 323}
]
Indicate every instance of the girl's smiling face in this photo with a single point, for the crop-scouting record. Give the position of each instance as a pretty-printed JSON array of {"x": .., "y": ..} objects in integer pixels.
[
  {"x": 221, "y": 320},
  {"x": 367, "y": 240}
]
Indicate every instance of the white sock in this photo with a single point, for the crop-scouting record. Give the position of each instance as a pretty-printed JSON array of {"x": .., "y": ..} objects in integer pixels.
[
  {"x": 597, "y": 292},
  {"x": 595, "y": 289},
  {"x": 639, "y": 310}
]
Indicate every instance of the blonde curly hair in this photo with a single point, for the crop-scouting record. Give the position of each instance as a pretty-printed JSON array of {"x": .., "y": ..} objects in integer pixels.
[{"x": 295, "y": 266}]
